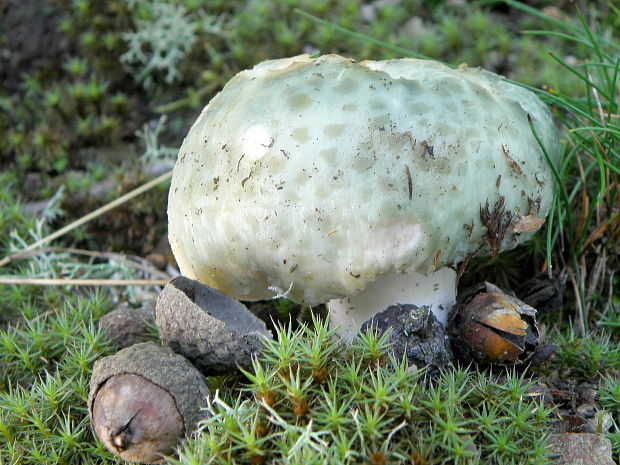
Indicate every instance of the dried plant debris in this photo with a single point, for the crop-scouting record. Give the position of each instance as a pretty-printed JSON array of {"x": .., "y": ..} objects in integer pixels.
[
  {"x": 415, "y": 333},
  {"x": 143, "y": 400},
  {"x": 497, "y": 223},
  {"x": 489, "y": 326},
  {"x": 543, "y": 292},
  {"x": 216, "y": 333}
]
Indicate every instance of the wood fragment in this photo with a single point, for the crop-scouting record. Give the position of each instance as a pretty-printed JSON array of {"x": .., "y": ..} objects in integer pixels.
[
  {"x": 527, "y": 224},
  {"x": 409, "y": 182}
]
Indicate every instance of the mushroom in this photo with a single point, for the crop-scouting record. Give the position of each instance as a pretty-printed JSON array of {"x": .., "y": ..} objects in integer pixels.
[{"x": 358, "y": 184}]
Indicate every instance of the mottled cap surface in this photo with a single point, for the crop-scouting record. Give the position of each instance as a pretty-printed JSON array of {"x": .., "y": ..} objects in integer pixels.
[{"x": 313, "y": 177}]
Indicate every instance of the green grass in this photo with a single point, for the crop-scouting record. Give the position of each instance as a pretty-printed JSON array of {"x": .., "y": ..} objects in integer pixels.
[{"x": 583, "y": 230}]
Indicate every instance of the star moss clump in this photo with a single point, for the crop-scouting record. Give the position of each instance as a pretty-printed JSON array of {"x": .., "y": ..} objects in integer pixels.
[
  {"x": 310, "y": 399},
  {"x": 46, "y": 357}
]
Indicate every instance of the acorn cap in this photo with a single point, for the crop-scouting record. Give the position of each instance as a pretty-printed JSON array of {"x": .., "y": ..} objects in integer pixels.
[
  {"x": 126, "y": 326},
  {"x": 216, "y": 333}
]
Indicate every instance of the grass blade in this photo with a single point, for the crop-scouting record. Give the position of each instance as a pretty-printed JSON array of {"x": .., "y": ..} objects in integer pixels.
[{"x": 362, "y": 37}]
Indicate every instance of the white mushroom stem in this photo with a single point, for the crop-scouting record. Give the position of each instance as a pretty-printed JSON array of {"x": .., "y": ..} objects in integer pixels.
[{"x": 437, "y": 289}]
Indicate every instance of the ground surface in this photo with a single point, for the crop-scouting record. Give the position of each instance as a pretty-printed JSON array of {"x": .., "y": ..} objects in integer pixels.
[{"x": 69, "y": 111}]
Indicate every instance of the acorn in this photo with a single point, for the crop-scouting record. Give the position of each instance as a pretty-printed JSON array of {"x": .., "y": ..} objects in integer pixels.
[
  {"x": 490, "y": 326},
  {"x": 143, "y": 400}
]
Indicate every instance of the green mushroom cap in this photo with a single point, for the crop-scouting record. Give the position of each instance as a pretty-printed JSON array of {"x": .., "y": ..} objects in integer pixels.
[{"x": 313, "y": 177}]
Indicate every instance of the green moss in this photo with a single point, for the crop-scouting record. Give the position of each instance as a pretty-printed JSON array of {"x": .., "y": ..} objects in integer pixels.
[
  {"x": 586, "y": 356},
  {"x": 609, "y": 397},
  {"x": 364, "y": 407},
  {"x": 46, "y": 360}
]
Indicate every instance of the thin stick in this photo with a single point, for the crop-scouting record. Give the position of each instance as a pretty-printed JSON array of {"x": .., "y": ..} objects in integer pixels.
[
  {"x": 172, "y": 106},
  {"x": 83, "y": 282},
  {"x": 90, "y": 216},
  {"x": 580, "y": 311}
]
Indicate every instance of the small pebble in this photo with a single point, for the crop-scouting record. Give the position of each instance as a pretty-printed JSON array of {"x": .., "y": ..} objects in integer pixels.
[{"x": 580, "y": 449}]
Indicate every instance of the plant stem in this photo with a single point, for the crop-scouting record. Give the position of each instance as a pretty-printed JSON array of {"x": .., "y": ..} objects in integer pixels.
[{"x": 83, "y": 282}]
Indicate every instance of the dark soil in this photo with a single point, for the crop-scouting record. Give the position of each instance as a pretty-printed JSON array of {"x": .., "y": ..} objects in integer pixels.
[{"x": 30, "y": 40}]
